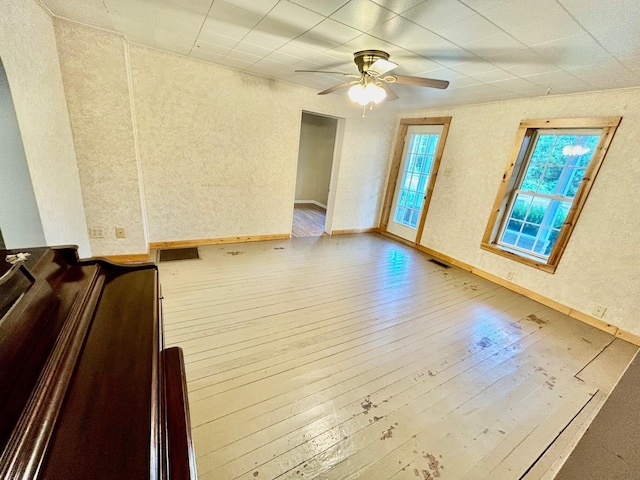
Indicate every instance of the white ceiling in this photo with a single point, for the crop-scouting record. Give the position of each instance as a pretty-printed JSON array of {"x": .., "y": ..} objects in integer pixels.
[{"x": 488, "y": 49}]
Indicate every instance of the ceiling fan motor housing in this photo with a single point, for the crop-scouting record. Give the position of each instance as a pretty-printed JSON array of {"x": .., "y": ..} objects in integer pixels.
[{"x": 365, "y": 58}]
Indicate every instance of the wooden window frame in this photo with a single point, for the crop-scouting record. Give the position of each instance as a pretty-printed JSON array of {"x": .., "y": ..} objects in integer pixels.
[
  {"x": 512, "y": 173},
  {"x": 405, "y": 123}
]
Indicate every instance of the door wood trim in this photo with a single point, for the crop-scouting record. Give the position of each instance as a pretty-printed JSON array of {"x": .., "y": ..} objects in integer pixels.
[{"x": 395, "y": 170}]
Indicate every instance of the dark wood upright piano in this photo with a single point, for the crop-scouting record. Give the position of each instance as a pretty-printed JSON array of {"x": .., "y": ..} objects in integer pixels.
[{"x": 87, "y": 390}]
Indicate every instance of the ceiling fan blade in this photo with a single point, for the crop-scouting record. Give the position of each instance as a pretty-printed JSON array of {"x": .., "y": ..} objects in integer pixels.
[
  {"x": 391, "y": 95},
  {"x": 333, "y": 89},
  {"x": 382, "y": 66},
  {"x": 421, "y": 82}
]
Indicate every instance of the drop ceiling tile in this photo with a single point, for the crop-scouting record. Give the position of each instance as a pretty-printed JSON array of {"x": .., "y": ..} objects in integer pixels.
[
  {"x": 481, "y": 5},
  {"x": 234, "y": 63},
  {"x": 330, "y": 33},
  {"x": 279, "y": 26},
  {"x": 620, "y": 41},
  {"x": 260, "y": 8},
  {"x": 200, "y": 6},
  {"x": 362, "y": 15},
  {"x": 230, "y": 20},
  {"x": 599, "y": 14},
  {"x": 282, "y": 58},
  {"x": 438, "y": 13},
  {"x": 462, "y": 82},
  {"x": 556, "y": 79},
  {"x": 178, "y": 20},
  {"x": 417, "y": 66},
  {"x": 206, "y": 56},
  {"x": 399, "y": 6},
  {"x": 366, "y": 42},
  {"x": 492, "y": 76},
  {"x": 256, "y": 50},
  {"x": 205, "y": 47},
  {"x": 520, "y": 86},
  {"x": 267, "y": 39},
  {"x": 289, "y": 19},
  {"x": 501, "y": 46},
  {"x": 298, "y": 50},
  {"x": 468, "y": 30},
  {"x": 324, "y": 7},
  {"x": 173, "y": 42},
  {"x": 554, "y": 27},
  {"x": 573, "y": 51},
  {"x": 473, "y": 67},
  {"x": 613, "y": 68},
  {"x": 135, "y": 9},
  {"x": 512, "y": 15},
  {"x": 216, "y": 39},
  {"x": 244, "y": 57}
]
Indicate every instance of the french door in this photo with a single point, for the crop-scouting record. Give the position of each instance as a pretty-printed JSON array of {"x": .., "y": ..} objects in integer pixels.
[{"x": 413, "y": 177}]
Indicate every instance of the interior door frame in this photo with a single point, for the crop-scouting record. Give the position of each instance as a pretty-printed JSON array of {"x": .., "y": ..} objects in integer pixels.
[{"x": 401, "y": 138}]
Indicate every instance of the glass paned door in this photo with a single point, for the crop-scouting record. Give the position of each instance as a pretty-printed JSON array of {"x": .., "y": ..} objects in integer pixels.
[{"x": 420, "y": 147}]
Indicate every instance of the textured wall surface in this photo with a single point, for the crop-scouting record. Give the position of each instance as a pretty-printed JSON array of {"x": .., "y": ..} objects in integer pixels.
[
  {"x": 219, "y": 150},
  {"x": 28, "y": 52},
  {"x": 97, "y": 90},
  {"x": 315, "y": 158},
  {"x": 601, "y": 265}
]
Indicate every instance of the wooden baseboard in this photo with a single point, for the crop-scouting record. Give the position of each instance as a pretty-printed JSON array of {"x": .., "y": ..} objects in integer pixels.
[
  {"x": 396, "y": 238},
  {"x": 140, "y": 257},
  {"x": 628, "y": 336},
  {"x": 355, "y": 230},
  {"x": 581, "y": 316},
  {"x": 218, "y": 241}
]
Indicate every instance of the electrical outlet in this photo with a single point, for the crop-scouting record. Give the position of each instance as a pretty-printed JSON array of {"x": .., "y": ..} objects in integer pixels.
[
  {"x": 599, "y": 311},
  {"x": 510, "y": 275},
  {"x": 96, "y": 232},
  {"x": 120, "y": 232}
]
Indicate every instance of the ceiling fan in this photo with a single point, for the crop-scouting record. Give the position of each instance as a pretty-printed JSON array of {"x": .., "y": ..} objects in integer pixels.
[{"x": 371, "y": 84}]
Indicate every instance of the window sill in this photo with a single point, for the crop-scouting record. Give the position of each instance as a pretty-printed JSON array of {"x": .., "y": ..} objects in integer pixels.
[{"x": 545, "y": 267}]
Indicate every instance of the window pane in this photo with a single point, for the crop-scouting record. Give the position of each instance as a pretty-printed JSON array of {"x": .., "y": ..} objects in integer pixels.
[
  {"x": 543, "y": 148},
  {"x": 561, "y": 214},
  {"x": 550, "y": 180},
  {"x": 520, "y": 206},
  {"x": 575, "y": 177},
  {"x": 542, "y": 242},
  {"x": 414, "y": 218},
  {"x": 422, "y": 184},
  {"x": 399, "y": 214},
  {"x": 537, "y": 210},
  {"x": 533, "y": 176}
]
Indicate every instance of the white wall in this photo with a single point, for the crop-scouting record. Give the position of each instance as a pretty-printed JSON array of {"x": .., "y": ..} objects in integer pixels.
[
  {"x": 19, "y": 216},
  {"x": 218, "y": 148},
  {"x": 315, "y": 157},
  {"x": 28, "y": 52},
  {"x": 601, "y": 265}
]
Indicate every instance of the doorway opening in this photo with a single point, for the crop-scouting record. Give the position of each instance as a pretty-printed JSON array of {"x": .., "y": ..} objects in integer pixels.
[
  {"x": 414, "y": 169},
  {"x": 313, "y": 180},
  {"x": 19, "y": 215}
]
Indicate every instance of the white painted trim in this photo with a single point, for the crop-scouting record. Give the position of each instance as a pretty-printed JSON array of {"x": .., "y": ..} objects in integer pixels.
[{"x": 136, "y": 145}]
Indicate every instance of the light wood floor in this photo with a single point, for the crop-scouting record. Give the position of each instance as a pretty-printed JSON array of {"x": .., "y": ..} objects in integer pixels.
[
  {"x": 308, "y": 220},
  {"x": 356, "y": 357}
]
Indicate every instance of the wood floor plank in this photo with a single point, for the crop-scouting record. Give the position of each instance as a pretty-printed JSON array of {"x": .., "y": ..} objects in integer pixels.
[{"x": 303, "y": 354}]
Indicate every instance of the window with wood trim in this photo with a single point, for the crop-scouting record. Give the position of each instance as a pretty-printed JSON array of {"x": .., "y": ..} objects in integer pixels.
[{"x": 552, "y": 167}]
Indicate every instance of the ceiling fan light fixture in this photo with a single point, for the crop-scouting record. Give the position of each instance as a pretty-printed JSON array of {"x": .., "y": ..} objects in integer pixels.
[{"x": 362, "y": 95}]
